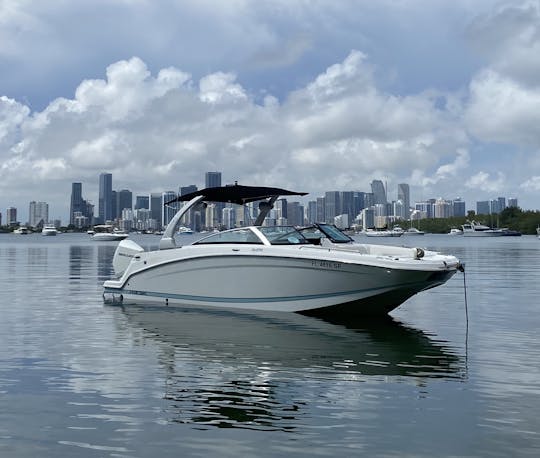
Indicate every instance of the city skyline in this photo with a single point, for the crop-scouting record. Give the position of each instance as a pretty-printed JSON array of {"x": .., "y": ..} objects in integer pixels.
[
  {"x": 440, "y": 95},
  {"x": 334, "y": 204}
]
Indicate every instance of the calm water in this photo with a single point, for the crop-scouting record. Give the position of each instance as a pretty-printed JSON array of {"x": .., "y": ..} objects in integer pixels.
[{"x": 78, "y": 378}]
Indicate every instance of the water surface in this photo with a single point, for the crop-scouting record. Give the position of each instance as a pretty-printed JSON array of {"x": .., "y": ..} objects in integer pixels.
[{"x": 78, "y": 378}]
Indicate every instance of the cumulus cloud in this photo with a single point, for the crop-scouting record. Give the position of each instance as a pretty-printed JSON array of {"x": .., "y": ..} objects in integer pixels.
[
  {"x": 505, "y": 95},
  {"x": 532, "y": 184},
  {"x": 483, "y": 181},
  {"x": 156, "y": 133}
]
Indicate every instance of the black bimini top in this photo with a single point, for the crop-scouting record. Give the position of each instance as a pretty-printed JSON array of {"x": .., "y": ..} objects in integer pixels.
[{"x": 236, "y": 194}]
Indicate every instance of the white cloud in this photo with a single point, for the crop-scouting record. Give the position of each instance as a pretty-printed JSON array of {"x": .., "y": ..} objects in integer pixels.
[
  {"x": 532, "y": 184},
  {"x": 483, "y": 181},
  {"x": 502, "y": 110},
  {"x": 159, "y": 132}
]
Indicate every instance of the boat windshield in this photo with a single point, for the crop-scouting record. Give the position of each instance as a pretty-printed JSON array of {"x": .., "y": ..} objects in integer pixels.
[
  {"x": 282, "y": 235},
  {"x": 334, "y": 234},
  {"x": 240, "y": 235}
]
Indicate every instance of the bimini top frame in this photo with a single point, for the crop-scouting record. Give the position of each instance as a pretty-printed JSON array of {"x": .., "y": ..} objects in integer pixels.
[{"x": 236, "y": 194}]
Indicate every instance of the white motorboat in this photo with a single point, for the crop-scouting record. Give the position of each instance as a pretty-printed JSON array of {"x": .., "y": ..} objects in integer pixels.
[
  {"x": 49, "y": 230},
  {"x": 107, "y": 233},
  {"x": 395, "y": 232},
  {"x": 455, "y": 231},
  {"x": 185, "y": 230},
  {"x": 474, "y": 229},
  {"x": 413, "y": 231},
  {"x": 319, "y": 270},
  {"x": 22, "y": 230}
]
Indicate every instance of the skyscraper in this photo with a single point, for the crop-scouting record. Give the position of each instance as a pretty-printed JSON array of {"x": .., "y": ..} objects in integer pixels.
[
  {"x": 212, "y": 179},
  {"x": 332, "y": 208},
  {"x": 124, "y": 199},
  {"x": 142, "y": 202},
  {"x": 38, "y": 213},
  {"x": 79, "y": 206},
  {"x": 105, "y": 197},
  {"x": 11, "y": 216},
  {"x": 156, "y": 204},
  {"x": 168, "y": 211},
  {"x": 76, "y": 200},
  {"x": 187, "y": 189},
  {"x": 379, "y": 192},
  {"x": 403, "y": 194}
]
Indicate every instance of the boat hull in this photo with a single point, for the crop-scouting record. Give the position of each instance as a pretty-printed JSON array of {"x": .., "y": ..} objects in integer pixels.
[
  {"x": 106, "y": 237},
  {"x": 241, "y": 281}
]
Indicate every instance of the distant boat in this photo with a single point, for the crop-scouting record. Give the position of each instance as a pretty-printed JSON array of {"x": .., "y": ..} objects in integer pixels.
[
  {"x": 395, "y": 232},
  {"x": 23, "y": 230},
  {"x": 108, "y": 233},
  {"x": 538, "y": 231},
  {"x": 455, "y": 231},
  {"x": 184, "y": 230},
  {"x": 48, "y": 230},
  {"x": 474, "y": 229},
  {"x": 414, "y": 231}
]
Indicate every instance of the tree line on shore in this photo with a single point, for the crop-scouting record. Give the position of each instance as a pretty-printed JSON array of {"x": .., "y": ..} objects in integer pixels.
[{"x": 513, "y": 218}]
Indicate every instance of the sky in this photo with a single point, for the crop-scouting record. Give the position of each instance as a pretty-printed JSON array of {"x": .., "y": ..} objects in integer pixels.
[{"x": 308, "y": 95}]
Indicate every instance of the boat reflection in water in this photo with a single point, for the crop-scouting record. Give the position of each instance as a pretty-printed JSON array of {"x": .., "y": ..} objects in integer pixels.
[{"x": 262, "y": 371}]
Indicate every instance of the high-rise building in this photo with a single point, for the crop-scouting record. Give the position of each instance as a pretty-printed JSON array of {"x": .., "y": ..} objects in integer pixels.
[
  {"x": 169, "y": 210},
  {"x": 77, "y": 202},
  {"x": 11, "y": 216},
  {"x": 379, "y": 192},
  {"x": 404, "y": 195},
  {"x": 114, "y": 213},
  {"x": 212, "y": 179},
  {"x": 38, "y": 214},
  {"x": 156, "y": 204},
  {"x": 295, "y": 214},
  {"x": 359, "y": 203},
  {"x": 142, "y": 202},
  {"x": 312, "y": 212},
  {"x": 187, "y": 189},
  {"x": 321, "y": 210},
  {"x": 482, "y": 207},
  {"x": 347, "y": 204},
  {"x": 229, "y": 217},
  {"x": 80, "y": 207},
  {"x": 458, "y": 207},
  {"x": 105, "y": 197},
  {"x": 443, "y": 208},
  {"x": 332, "y": 208},
  {"x": 124, "y": 199},
  {"x": 512, "y": 202},
  {"x": 281, "y": 210}
]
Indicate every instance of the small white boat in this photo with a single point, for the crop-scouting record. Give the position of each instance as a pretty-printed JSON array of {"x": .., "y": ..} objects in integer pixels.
[
  {"x": 474, "y": 229},
  {"x": 455, "y": 231},
  {"x": 384, "y": 232},
  {"x": 413, "y": 231},
  {"x": 22, "y": 230},
  {"x": 272, "y": 268},
  {"x": 184, "y": 230},
  {"x": 538, "y": 231},
  {"x": 49, "y": 230},
  {"x": 108, "y": 233}
]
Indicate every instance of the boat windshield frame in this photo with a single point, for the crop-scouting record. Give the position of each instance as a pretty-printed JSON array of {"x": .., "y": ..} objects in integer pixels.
[
  {"x": 330, "y": 231},
  {"x": 259, "y": 235},
  {"x": 239, "y": 235},
  {"x": 283, "y": 235}
]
